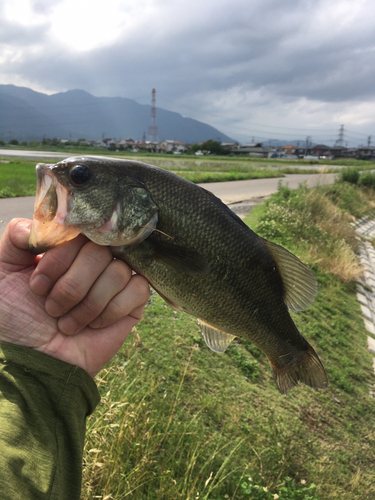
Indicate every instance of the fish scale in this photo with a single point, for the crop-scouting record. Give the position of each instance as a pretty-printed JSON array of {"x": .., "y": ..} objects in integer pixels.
[{"x": 196, "y": 253}]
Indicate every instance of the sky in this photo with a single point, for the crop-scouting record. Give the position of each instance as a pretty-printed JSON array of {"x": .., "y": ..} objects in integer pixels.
[{"x": 254, "y": 69}]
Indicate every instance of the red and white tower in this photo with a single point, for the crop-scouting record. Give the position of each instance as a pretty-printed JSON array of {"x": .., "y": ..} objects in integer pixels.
[{"x": 153, "y": 128}]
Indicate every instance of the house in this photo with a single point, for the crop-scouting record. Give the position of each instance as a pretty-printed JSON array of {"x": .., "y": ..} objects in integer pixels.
[
  {"x": 338, "y": 151},
  {"x": 251, "y": 149},
  {"x": 152, "y": 146},
  {"x": 169, "y": 146},
  {"x": 126, "y": 143},
  {"x": 367, "y": 153},
  {"x": 230, "y": 145},
  {"x": 107, "y": 143},
  {"x": 321, "y": 150},
  {"x": 303, "y": 151},
  {"x": 288, "y": 150},
  {"x": 350, "y": 153}
]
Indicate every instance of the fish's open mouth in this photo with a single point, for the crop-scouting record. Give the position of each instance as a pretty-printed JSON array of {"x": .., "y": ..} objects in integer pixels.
[{"x": 51, "y": 202}]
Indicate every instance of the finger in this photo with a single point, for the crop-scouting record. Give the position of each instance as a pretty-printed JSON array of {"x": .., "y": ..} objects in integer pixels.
[
  {"x": 74, "y": 285},
  {"x": 14, "y": 244},
  {"x": 54, "y": 264},
  {"x": 129, "y": 302},
  {"x": 114, "y": 279}
]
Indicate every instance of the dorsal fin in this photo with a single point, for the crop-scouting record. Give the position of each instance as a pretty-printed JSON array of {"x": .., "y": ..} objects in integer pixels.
[
  {"x": 300, "y": 285},
  {"x": 216, "y": 340}
]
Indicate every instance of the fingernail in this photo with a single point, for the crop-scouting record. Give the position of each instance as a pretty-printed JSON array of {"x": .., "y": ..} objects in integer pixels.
[
  {"x": 40, "y": 284},
  {"x": 68, "y": 325},
  {"x": 53, "y": 308},
  {"x": 97, "y": 323}
]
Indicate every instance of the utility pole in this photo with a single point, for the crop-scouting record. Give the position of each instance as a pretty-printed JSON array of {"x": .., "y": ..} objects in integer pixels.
[
  {"x": 369, "y": 141},
  {"x": 307, "y": 143}
]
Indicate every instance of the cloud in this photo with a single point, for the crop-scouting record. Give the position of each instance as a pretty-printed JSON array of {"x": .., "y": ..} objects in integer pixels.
[{"x": 284, "y": 64}]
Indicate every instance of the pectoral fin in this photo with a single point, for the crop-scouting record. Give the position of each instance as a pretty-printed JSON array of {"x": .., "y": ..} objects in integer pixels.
[
  {"x": 300, "y": 285},
  {"x": 216, "y": 340}
]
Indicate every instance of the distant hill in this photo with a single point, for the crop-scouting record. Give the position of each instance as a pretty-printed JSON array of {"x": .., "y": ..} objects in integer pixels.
[{"x": 27, "y": 115}]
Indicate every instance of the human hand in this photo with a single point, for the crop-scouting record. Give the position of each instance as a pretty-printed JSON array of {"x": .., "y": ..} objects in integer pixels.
[{"x": 76, "y": 303}]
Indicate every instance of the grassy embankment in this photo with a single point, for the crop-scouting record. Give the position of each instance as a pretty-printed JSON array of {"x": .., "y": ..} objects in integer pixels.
[
  {"x": 202, "y": 169},
  {"x": 179, "y": 421}
]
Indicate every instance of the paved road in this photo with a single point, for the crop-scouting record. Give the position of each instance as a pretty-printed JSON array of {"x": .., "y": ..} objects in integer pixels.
[
  {"x": 237, "y": 191},
  {"x": 15, "y": 207},
  {"x": 19, "y": 153},
  {"x": 251, "y": 192}
]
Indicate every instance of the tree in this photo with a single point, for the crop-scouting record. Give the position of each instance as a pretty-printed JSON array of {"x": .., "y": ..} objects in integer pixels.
[{"x": 214, "y": 147}]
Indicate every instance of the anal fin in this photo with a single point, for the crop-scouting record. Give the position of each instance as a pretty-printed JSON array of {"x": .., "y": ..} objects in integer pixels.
[{"x": 216, "y": 340}]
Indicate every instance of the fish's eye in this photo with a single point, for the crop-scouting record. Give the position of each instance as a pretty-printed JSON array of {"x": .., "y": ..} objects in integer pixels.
[{"x": 79, "y": 175}]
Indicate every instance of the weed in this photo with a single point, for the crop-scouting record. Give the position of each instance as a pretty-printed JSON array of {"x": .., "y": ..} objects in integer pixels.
[
  {"x": 248, "y": 365},
  {"x": 367, "y": 180},
  {"x": 287, "y": 490},
  {"x": 350, "y": 175},
  {"x": 321, "y": 229}
]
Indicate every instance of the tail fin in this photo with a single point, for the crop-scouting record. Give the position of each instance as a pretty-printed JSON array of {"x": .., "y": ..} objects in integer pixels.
[{"x": 305, "y": 367}]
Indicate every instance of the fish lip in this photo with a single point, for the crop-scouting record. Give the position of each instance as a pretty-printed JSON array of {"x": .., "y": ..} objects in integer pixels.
[{"x": 48, "y": 230}]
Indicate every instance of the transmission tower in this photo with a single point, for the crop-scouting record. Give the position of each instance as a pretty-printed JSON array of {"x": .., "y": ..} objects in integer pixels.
[
  {"x": 153, "y": 128},
  {"x": 369, "y": 141},
  {"x": 340, "y": 140}
]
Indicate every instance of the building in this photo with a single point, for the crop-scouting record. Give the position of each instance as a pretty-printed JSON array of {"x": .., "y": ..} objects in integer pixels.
[
  {"x": 230, "y": 145},
  {"x": 169, "y": 146}
]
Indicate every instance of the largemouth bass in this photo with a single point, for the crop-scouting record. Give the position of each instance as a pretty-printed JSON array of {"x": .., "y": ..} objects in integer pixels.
[{"x": 194, "y": 251}]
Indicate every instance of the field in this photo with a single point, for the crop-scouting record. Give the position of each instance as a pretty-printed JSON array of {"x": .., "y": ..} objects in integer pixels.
[{"x": 17, "y": 176}]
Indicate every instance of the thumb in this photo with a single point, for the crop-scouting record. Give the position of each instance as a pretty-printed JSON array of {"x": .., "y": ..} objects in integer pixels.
[{"x": 14, "y": 244}]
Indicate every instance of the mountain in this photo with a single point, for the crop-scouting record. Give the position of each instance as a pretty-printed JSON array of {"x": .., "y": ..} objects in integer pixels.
[{"x": 27, "y": 115}]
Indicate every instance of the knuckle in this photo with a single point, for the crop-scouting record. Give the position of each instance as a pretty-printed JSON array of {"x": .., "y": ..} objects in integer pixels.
[
  {"x": 141, "y": 287},
  {"x": 116, "y": 310},
  {"x": 120, "y": 273},
  {"x": 70, "y": 290},
  {"x": 89, "y": 308},
  {"x": 97, "y": 254}
]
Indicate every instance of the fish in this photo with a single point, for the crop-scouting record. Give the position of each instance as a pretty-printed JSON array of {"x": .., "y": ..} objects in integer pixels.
[{"x": 194, "y": 251}]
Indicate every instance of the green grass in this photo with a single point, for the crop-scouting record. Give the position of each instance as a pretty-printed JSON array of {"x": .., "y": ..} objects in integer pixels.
[
  {"x": 177, "y": 420},
  {"x": 198, "y": 170},
  {"x": 17, "y": 178}
]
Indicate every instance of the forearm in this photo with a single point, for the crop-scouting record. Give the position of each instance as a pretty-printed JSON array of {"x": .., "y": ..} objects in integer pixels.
[{"x": 43, "y": 407}]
